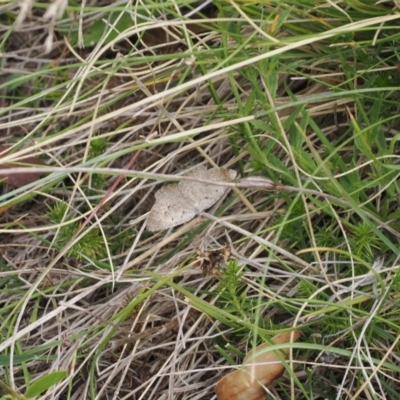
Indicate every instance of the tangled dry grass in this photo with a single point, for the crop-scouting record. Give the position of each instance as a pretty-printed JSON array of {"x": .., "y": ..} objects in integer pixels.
[{"x": 131, "y": 314}]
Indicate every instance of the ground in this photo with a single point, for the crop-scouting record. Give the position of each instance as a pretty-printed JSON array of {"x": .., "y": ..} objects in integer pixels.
[{"x": 103, "y": 103}]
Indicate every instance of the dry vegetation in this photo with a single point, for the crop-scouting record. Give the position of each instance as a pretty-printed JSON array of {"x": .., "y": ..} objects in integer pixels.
[{"x": 306, "y": 98}]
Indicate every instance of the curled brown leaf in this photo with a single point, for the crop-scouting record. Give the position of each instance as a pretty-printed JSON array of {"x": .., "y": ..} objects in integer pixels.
[{"x": 260, "y": 369}]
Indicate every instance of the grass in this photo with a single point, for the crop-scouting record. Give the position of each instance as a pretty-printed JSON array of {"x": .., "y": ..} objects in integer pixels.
[{"x": 303, "y": 94}]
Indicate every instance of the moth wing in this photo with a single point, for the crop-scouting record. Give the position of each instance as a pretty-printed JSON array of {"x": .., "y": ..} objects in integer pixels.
[
  {"x": 204, "y": 195},
  {"x": 169, "y": 210}
]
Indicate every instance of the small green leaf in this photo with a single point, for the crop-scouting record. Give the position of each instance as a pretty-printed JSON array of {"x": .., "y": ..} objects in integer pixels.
[
  {"x": 45, "y": 382},
  {"x": 248, "y": 107},
  {"x": 21, "y": 358},
  {"x": 362, "y": 140}
]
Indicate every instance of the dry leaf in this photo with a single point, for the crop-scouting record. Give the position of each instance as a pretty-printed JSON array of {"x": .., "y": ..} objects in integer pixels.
[
  {"x": 20, "y": 179},
  {"x": 260, "y": 368},
  {"x": 211, "y": 261}
]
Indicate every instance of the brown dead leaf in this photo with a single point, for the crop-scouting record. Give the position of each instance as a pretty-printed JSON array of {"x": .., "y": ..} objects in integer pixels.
[
  {"x": 260, "y": 368},
  {"x": 211, "y": 261},
  {"x": 19, "y": 179}
]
